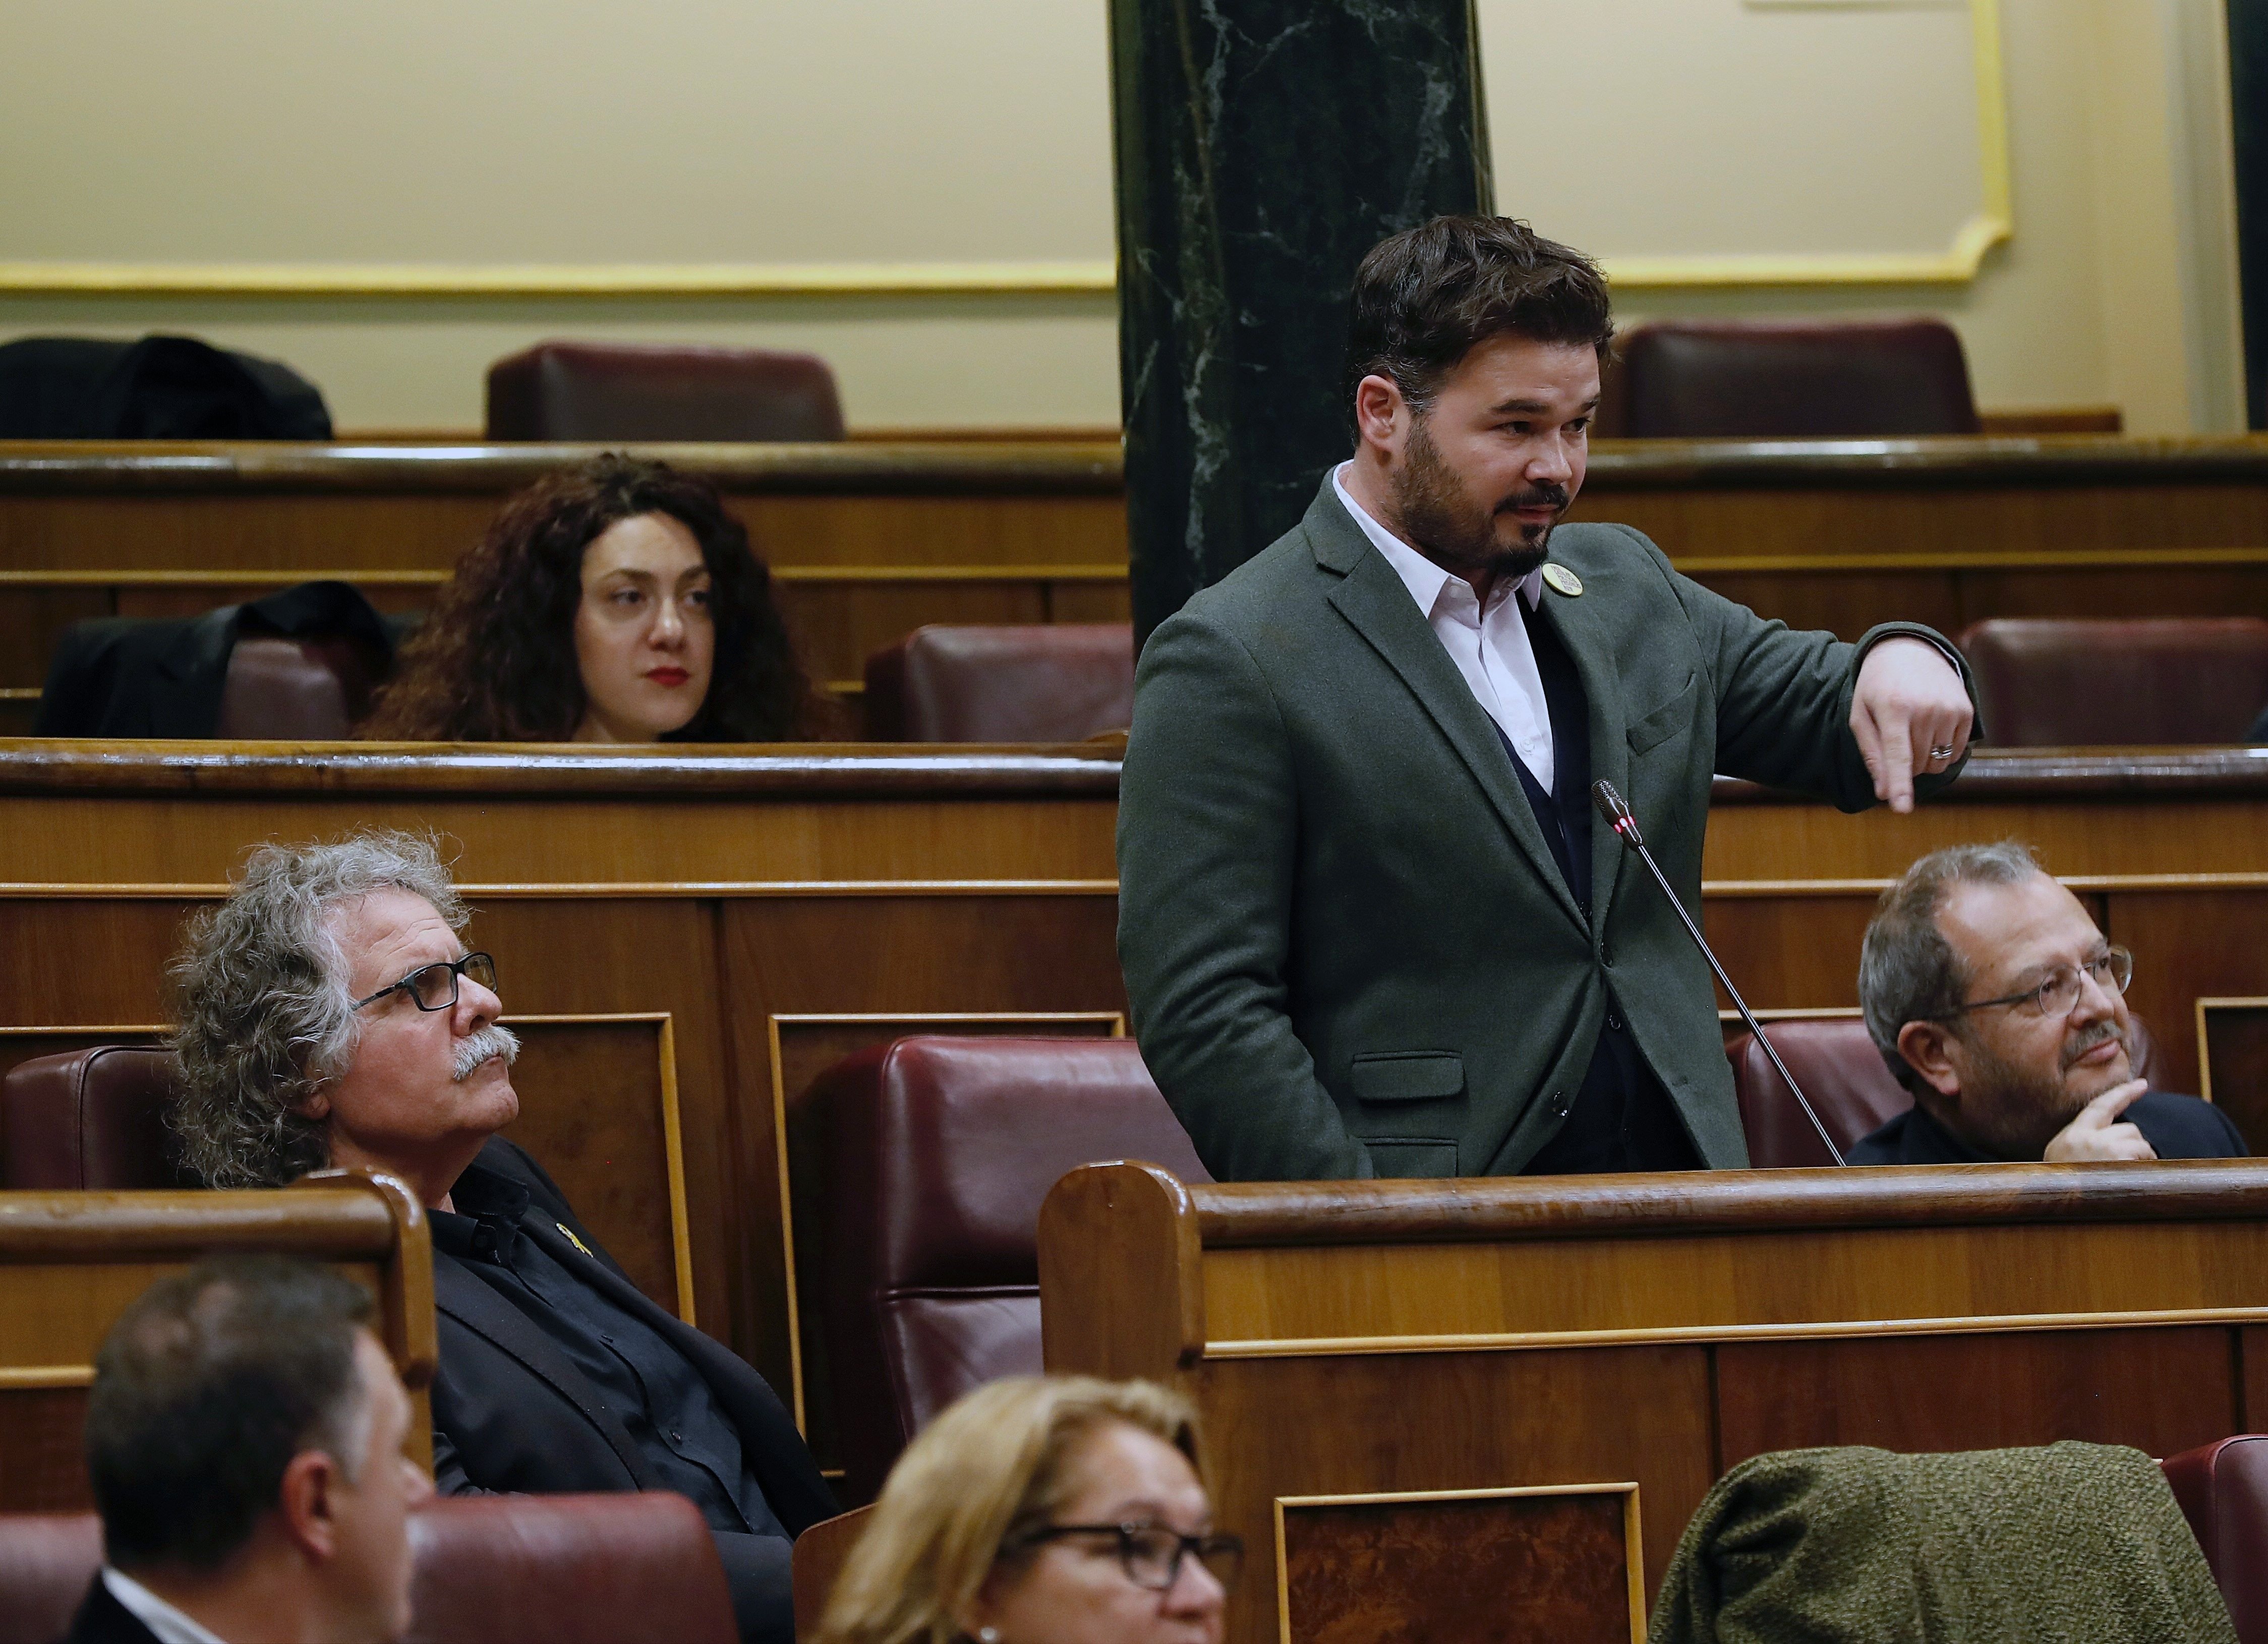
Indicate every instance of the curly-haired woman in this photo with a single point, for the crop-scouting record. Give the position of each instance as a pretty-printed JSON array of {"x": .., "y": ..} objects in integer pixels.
[{"x": 614, "y": 601}]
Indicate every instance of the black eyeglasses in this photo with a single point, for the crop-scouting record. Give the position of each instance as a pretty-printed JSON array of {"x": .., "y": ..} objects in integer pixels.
[
  {"x": 2059, "y": 991},
  {"x": 1152, "y": 1554},
  {"x": 434, "y": 987}
]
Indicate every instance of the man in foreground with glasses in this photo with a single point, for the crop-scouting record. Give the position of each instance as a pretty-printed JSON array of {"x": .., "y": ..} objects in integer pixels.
[
  {"x": 1995, "y": 1001},
  {"x": 329, "y": 1015}
]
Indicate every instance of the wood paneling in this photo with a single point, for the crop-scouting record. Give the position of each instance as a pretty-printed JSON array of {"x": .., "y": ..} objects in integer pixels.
[
  {"x": 2233, "y": 1048},
  {"x": 1395, "y": 1337},
  {"x": 745, "y": 889},
  {"x": 875, "y": 539},
  {"x": 803, "y": 895},
  {"x": 70, "y": 1263},
  {"x": 1972, "y": 1393},
  {"x": 2189, "y": 947},
  {"x": 43, "y": 1461},
  {"x": 1493, "y": 1567},
  {"x": 1308, "y": 1427}
]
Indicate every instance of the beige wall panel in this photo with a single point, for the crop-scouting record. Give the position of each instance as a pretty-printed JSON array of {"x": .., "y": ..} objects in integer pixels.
[{"x": 916, "y": 131}]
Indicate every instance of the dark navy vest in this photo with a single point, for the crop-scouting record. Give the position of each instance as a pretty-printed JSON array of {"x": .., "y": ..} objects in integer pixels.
[{"x": 1622, "y": 1118}]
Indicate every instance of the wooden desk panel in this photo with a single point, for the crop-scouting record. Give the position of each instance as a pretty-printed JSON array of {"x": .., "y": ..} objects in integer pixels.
[
  {"x": 727, "y": 893},
  {"x": 750, "y": 894},
  {"x": 70, "y": 1263},
  {"x": 874, "y": 539},
  {"x": 1346, "y": 1338}
]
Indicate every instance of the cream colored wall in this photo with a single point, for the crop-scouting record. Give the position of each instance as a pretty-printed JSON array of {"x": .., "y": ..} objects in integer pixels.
[{"x": 911, "y": 130}]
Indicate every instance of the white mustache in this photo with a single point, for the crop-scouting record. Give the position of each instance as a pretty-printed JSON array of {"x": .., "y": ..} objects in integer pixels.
[{"x": 476, "y": 1048}]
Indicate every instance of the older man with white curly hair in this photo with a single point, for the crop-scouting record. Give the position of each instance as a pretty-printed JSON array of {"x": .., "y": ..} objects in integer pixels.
[{"x": 329, "y": 1014}]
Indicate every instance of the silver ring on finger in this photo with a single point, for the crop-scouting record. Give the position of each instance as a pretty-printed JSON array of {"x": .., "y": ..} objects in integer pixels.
[{"x": 1940, "y": 753}]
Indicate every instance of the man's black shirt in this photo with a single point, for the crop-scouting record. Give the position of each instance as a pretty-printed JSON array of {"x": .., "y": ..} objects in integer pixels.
[
  {"x": 2177, "y": 1127},
  {"x": 645, "y": 1383}
]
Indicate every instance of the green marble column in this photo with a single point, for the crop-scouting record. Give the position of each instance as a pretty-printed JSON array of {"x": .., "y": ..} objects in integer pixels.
[{"x": 1263, "y": 147}]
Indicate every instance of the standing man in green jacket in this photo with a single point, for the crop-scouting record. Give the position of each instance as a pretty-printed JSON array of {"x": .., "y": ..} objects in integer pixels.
[{"x": 1367, "y": 927}]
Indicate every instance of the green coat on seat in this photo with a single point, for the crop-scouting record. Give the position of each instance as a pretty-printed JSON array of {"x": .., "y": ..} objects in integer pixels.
[{"x": 1347, "y": 948}]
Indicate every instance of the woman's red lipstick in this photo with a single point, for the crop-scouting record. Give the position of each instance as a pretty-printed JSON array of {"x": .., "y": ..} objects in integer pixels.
[{"x": 668, "y": 675}]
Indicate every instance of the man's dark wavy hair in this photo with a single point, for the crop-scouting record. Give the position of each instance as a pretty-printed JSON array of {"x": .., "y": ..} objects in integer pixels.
[
  {"x": 1424, "y": 299},
  {"x": 494, "y": 661}
]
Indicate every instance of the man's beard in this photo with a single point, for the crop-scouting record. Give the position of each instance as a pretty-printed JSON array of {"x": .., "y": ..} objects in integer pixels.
[
  {"x": 2013, "y": 1112},
  {"x": 1456, "y": 533}
]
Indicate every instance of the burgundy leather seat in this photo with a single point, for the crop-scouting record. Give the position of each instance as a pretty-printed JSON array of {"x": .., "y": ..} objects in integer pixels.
[
  {"x": 598, "y": 391},
  {"x": 2078, "y": 682},
  {"x": 1788, "y": 379},
  {"x": 2223, "y": 1490},
  {"x": 1032, "y": 683},
  {"x": 46, "y": 1562},
  {"x": 297, "y": 691},
  {"x": 1839, "y": 1069},
  {"x": 90, "y": 1118},
  {"x": 938, "y": 1153},
  {"x": 512, "y": 1569}
]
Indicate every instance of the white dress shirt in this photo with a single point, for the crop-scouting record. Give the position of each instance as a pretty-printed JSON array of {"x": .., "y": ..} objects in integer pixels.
[
  {"x": 168, "y": 1625},
  {"x": 1490, "y": 647}
]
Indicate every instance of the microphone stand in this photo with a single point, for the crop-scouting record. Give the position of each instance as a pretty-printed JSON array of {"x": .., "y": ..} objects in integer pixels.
[{"x": 1623, "y": 821}]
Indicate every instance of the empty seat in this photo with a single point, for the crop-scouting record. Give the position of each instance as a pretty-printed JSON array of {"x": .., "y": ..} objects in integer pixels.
[
  {"x": 2082, "y": 683},
  {"x": 1852, "y": 1089},
  {"x": 1788, "y": 379},
  {"x": 938, "y": 1152},
  {"x": 91, "y": 1118},
  {"x": 1032, "y": 683},
  {"x": 2223, "y": 1491},
  {"x": 508, "y": 1569},
  {"x": 600, "y": 391}
]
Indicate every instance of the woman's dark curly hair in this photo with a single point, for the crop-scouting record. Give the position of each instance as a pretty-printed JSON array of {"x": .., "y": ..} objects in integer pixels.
[{"x": 495, "y": 661}]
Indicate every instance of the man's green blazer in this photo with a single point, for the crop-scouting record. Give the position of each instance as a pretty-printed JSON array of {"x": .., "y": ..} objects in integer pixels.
[{"x": 1348, "y": 950}]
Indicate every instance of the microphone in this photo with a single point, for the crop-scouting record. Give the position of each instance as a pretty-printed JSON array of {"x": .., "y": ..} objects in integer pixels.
[{"x": 1624, "y": 822}]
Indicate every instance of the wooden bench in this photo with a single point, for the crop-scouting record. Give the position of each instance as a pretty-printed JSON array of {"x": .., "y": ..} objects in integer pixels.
[{"x": 71, "y": 1262}]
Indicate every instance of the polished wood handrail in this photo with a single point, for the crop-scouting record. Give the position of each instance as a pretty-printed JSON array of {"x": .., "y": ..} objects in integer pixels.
[
  {"x": 346, "y": 1218},
  {"x": 32, "y": 765},
  {"x": 35, "y": 765},
  {"x": 1264, "y": 1213},
  {"x": 61, "y": 467},
  {"x": 1092, "y": 467},
  {"x": 1997, "y": 776}
]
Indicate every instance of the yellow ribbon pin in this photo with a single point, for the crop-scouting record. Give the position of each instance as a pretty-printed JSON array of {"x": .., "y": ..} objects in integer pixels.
[{"x": 572, "y": 1240}]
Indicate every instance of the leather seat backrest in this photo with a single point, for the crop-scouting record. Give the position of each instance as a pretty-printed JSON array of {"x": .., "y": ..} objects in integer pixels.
[
  {"x": 46, "y": 1562},
  {"x": 938, "y": 1152},
  {"x": 510, "y": 1569},
  {"x": 1032, "y": 683},
  {"x": 1765, "y": 379},
  {"x": 2077, "y": 683},
  {"x": 1835, "y": 1062},
  {"x": 295, "y": 690},
  {"x": 2223, "y": 1491},
  {"x": 90, "y": 1118},
  {"x": 566, "y": 1569},
  {"x": 599, "y": 391}
]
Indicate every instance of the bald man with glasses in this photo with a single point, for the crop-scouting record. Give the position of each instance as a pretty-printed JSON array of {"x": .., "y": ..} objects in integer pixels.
[{"x": 1994, "y": 998}]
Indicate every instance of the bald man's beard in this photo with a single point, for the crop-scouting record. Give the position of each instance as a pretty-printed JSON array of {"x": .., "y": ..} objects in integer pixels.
[
  {"x": 2013, "y": 1112},
  {"x": 1438, "y": 515}
]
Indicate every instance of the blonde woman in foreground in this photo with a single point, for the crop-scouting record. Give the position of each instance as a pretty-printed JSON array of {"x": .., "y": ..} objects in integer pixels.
[{"x": 1043, "y": 1510}]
